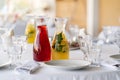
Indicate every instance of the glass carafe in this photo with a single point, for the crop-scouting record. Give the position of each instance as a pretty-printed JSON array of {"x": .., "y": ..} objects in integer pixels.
[
  {"x": 30, "y": 31},
  {"x": 41, "y": 47},
  {"x": 60, "y": 47}
]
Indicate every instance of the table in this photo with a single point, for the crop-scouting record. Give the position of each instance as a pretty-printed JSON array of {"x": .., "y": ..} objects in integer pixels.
[{"x": 47, "y": 73}]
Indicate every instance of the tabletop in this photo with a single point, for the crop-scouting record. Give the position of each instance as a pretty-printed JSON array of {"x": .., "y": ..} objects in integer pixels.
[{"x": 48, "y": 73}]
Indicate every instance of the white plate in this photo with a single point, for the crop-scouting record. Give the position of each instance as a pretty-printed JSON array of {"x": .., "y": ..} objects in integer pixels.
[
  {"x": 74, "y": 48},
  {"x": 4, "y": 62},
  {"x": 116, "y": 57},
  {"x": 68, "y": 64}
]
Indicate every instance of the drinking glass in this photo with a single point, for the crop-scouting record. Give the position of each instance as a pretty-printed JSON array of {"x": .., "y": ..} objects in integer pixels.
[
  {"x": 73, "y": 31},
  {"x": 6, "y": 43},
  {"x": 117, "y": 40},
  {"x": 95, "y": 53},
  {"x": 15, "y": 53},
  {"x": 17, "y": 49},
  {"x": 20, "y": 40},
  {"x": 84, "y": 48},
  {"x": 108, "y": 33},
  {"x": 84, "y": 43}
]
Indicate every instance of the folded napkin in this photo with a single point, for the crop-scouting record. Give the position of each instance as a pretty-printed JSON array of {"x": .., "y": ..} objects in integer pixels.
[
  {"x": 28, "y": 67},
  {"x": 111, "y": 64}
]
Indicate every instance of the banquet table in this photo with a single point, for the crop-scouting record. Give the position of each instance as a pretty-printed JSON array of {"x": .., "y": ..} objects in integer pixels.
[{"x": 48, "y": 73}]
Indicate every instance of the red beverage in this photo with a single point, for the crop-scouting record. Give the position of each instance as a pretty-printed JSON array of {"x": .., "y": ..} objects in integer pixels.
[{"x": 41, "y": 47}]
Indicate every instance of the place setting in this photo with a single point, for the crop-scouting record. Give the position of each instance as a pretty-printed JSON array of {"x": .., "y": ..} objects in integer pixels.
[
  {"x": 117, "y": 42},
  {"x": 114, "y": 61},
  {"x": 43, "y": 57},
  {"x": 56, "y": 55},
  {"x": 12, "y": 49},
  {"x": 90, "y": 57}
]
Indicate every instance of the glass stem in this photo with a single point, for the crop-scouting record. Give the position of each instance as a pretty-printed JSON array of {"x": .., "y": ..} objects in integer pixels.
[{"x": 85, "y": 57}]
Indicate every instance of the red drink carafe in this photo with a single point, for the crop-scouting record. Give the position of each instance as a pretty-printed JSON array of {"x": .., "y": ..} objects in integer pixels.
[{"x": 41, "y": 46}]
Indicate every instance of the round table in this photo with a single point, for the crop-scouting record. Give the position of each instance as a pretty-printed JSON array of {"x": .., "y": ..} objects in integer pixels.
[{"x": 48, "y": 73}]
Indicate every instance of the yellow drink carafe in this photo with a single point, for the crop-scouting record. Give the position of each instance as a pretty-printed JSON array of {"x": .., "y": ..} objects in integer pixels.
[
  {"x": 60, "y": 47},
  {"x": 30, "y": 32}
]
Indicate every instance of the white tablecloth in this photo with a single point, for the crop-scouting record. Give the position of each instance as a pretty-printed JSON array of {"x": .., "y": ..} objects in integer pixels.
[{"x": 47, "y": 73}]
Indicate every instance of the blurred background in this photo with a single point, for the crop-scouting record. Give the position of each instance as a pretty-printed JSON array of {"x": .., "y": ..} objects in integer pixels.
[{"x": 92, "y": 15}]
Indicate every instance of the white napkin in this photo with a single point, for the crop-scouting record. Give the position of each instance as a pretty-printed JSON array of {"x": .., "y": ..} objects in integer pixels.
[
  {"x": 28, "y": 67},
  {"x": 110, "y": 64}
]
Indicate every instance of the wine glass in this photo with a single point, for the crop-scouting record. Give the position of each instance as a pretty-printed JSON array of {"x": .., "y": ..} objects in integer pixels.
[
  {"x": 84, "y": 49},
  {"x": 84, "y": 43},
  {"x": 108, "y": 33},
  {"x": 6, "y": 43},
  {"x": 20, "y": 41},
  {"x": 73, "y": 31},
  {"x": 117, "y": 40},
  {"x": 16, "y": 50}
]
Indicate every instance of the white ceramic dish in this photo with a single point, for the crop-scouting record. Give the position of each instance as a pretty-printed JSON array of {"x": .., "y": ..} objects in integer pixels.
[
  {"x": 68, "y": 64},
  {"x": 115, "y": 57},
  {"x": 4, "y": 63}
]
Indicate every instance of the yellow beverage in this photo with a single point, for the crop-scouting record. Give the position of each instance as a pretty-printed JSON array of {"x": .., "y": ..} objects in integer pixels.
[
  {"x": 60, "y": 47},
  {"x": 30, "y": 33}
]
